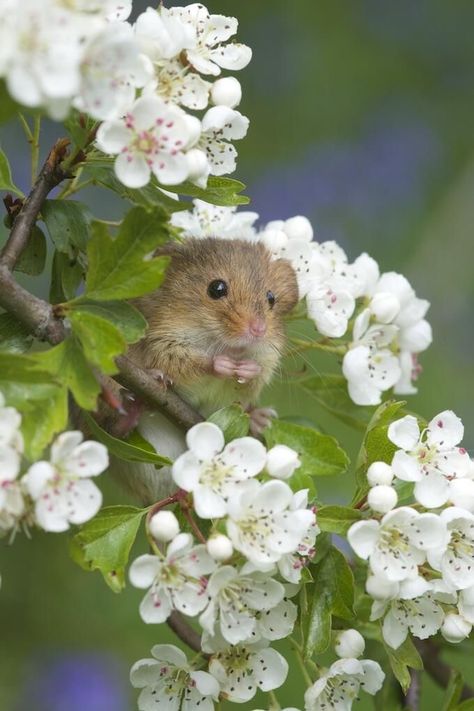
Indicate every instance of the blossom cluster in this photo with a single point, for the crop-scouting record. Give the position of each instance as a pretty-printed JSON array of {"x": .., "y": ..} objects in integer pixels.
[
  {"x": 239, "y": 583},
  {"x": 421, "y": 560},
  {"x": 140, "y": 80},
  {"x": 51, "y": 494},
  {"x": 382, "y": 311}
]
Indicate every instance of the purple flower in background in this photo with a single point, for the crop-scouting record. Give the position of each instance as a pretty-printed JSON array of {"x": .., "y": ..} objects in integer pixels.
[{"x": 75, "y": 681}]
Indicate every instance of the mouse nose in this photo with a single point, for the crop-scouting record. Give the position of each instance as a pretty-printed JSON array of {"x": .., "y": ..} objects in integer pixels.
[{"x": 257, "y": 327}]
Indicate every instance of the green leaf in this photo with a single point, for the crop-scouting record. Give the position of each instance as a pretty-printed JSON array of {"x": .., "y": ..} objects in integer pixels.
[
  {"x": 232, "y": 420},
  {"x": 401, "y": 659},
  {"x": 41, "y": 422},
  {"x": 125, "y": 449},
  {"x": 79, "y": 127},
  {"x": 68, "y": 223},
  {"x": 104, "y": 543},
  {"x": 67, "y": 363},
  {"x": 337, "y": 519},
  {"x": 13, "y": 335},
  {"x": 149, "y": 197},
  {"x": 320, "y": 454},
  {"x": 330, "y": 391},
  {"x": 101, "y": 341},
  {"x": 331, "y": 594},
  {"x": 219, "y": 191},
  {"x": 453, "y": 691},
  {"x": 376, "y": 445},
  {"x": 66, "y": 275},
  {"x": 467, "y": 705},
  {"x": 22, "y": 382},
  {"x": 6, "y": 182},
  {"x": 125, "y": 317},
  {"x": 121, "y": 268},
  {"x": 8, "y": 107},
  {"x": 33, "y": 257}
]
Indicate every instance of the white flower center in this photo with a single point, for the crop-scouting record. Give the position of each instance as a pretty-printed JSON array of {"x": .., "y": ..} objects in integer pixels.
[{"x": 215, "y": 473}]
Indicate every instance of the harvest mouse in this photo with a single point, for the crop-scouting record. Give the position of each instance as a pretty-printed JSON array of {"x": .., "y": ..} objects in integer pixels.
[{"x": 215, "y": 331}]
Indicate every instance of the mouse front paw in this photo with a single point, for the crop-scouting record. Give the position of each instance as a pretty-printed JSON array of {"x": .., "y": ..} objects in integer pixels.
[
  {"x": 242, "y": 370},
  {"x": 247, "y": 370},
  {"x": 260, "y": 419},
  {"x": 161, "y": 377}
]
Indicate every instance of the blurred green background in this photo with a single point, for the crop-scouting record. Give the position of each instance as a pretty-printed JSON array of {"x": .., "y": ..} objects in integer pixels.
[{"x": 362, "y": 119}]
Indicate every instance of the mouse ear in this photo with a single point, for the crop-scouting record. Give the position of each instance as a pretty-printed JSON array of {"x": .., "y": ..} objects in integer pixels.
[
  {"x": 286, "y": 285},
  {"x": 170, "y": 249}
]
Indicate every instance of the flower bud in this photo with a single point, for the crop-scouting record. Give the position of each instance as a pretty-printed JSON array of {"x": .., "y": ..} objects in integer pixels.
[
  {"x": 198, "y": 166},
  {"x": 299, "y": 227},
  {"x": 384, "y": 306},
  {"x": 164, "y": 526},
  {"x": 379, "y": 473},
  {"x": 219, "y": 547},
  {"x": 380, "y": 589},
  {"x": 274, "y": 239},
  {"x": 382, "y": 498},
  {"x": 226, "y": 92},
  {"x": 455, "y": 628},
  {"x": 282, "y": 461},
  {"x": 194, "y": 127},
  {"x": 349, "y": 644}
]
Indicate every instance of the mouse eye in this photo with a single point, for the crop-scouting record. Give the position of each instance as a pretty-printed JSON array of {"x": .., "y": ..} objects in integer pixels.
[
  {"x": 271, "y": 298},
  {"x": 217, "y": 289}
]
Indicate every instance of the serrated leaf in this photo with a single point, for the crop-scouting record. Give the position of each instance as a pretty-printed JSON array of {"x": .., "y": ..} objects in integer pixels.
[
  {"x": 453, "y": 691},
  {"x": 125, "y": 449},
  {"x": 33, "y": 257},
  {"x": 232, "y": 420},
  {"x": 6, "y": 182},
  {"x": 66, "y": 275},
  {"x": 401, "y": 659},
  {"x": 104, "y": 543},
  {"x": 150, "y": 197},
  {"x": 219, "y": 191},
  {"x": 43, "y": 421},
  {"x": 121, "y": 268},
  {"x": 331, "y": 594},
  {"x": 13, "y": 335},
  {"x": 320, "y": 454},
  {"x": 101, "y": 341},
  {"x": 68, "y": 223},
  {"x": 22, "y": 382},
  {"x": 67, "y": 363},
  {"x": 337, "y": 519},
  {"x": 125, "y": 317},
  {"x": 330, "y": 391}
]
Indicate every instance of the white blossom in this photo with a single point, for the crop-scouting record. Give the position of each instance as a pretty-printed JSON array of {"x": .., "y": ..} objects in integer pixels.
[
  {"x": 213, "y": 472},
  {"x": 163, "y": 526},
  {"x": 169, "y": 682},
  {"x": 418, "y": 613},
  {"x": 397, "y": 544},
  {"x": 466, "y": 603},
  {"x": 175, "y": 581},
  {"x": 431, "y": 459},
  {"x": 349, "y": 644},
  {"x": 379, "y": 473},
  {"x": 282, "y": 461},
  {"x": 209, "y": 54},
  {"x": 226, "y": 92},
  {"x": 241, "y": 670},
  {"x": 382, "y": 498},
  {"x": 455, "y": 559},
  {"x": 177, "y": 85},
  {"x": 112, "y": 68},
  {"x": 261, "y": 524},
  {"x": 61, "y": 489},
  {"x": 206, "y": 220},
  {"x": 369, "y": 373},
  {"x": 455, "y": 628},
  {"x": 234, "y": 599},
  {"x": 151, "y": 138},
  {"x": 219, "y": 547},
  {"x": 162, "y": 35},
  {"x": 339, "y": 686},
  {"x": 220, "y": 125}
]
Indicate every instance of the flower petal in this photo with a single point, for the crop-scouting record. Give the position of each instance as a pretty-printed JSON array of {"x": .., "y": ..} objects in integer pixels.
[
  {"x": 84, "y": 500},
  {"x": 445, "y": 430},
  {"x": 37, "y": 477},
  {"x": 247, "y": 455},
  {"x": 270, "y": 669},
  {"x": 432, "y": 490},
  {"x": 363, "y": 536},
  {"x": 394, "y": 632},
  {"x": 112, "y": 137},
  {"x": 155, "y": 606},
  {"x": 205, "y": 440},
  {"x": 143, "y": 570},
  {"x": 405, "y": 466},
  {"x": 132, "y": 169},
  {"x": 88, "y": 459},
  {"x": 186, "y": 471},
  {"x": 64, "y": 445},
  {"x": 208, "y": 504},
  {"x": 405, "y": 432}
]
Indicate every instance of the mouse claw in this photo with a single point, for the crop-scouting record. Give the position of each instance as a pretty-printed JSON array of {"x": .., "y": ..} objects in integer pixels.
[
  {"x": 260, "y": 419},
  {"x": 247, "y": 369},
  {"x": 160, "y": 377},
  {"x": 224, "y": 366}
]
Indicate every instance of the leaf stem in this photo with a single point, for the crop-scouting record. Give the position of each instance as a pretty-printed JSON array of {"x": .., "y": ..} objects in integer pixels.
[
  {"x": 299, "y": 656},
  {"x": 274, "y": 705}
]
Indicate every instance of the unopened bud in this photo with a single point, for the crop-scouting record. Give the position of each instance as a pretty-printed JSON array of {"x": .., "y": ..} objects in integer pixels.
[
  {"x": 299, "y": 227},
  {"x": 455, "y": 628},
  {"x": 164, "y": 526},
  {"x": 194, "y": 127},
  {"x": 379, "y": 473},
  {"x": 380, "y": 589},
  {"x": 219, "y": 547},
  {"x": 382, "y": 498},
  {"x": 282, "y": 461},
  {"x": 384, "y": 306},
  {"x": 349, "y": 644},
  {"x": 226, "y": 92},
  {"x": 198, "y": 166}
]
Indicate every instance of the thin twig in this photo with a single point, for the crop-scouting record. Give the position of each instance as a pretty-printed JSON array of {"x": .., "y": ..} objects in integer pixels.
[
  {"x": 412, "y": 697},
  {"x": 185, "y": 632},
  {"x": 50, "y": 175}
]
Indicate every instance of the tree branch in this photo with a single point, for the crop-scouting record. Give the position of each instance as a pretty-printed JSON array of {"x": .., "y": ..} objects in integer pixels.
[
  {"x": 436, "y": 668},
  {"x": 50, "y": 175},
  {"x": 185, "y": 632}
]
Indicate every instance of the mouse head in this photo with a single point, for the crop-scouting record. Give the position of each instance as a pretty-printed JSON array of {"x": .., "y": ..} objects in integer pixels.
[{"x": 230, "y": 289}]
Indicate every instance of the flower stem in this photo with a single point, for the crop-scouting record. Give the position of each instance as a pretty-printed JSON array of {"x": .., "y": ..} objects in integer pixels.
[
  {"x": 274, "y": 705},
  {"x": 299, "y": 656},
  {"x": 187, "y": 511}
]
